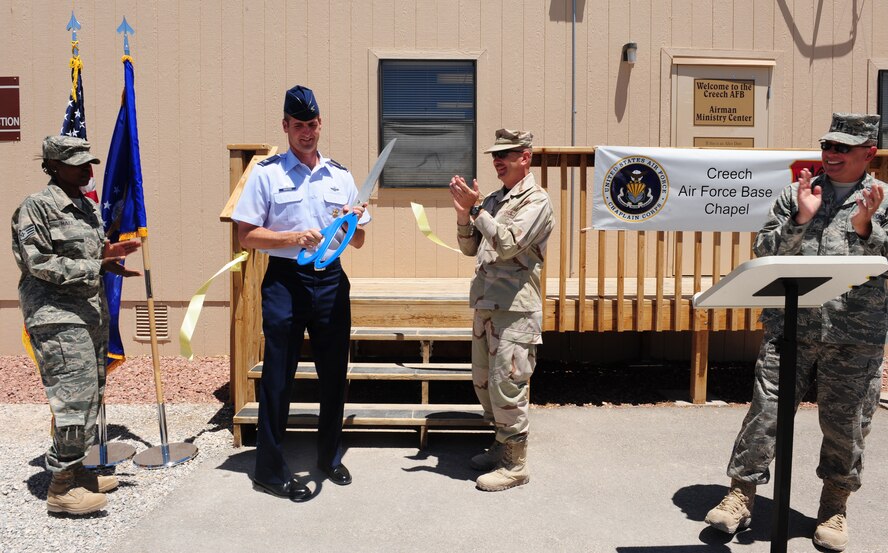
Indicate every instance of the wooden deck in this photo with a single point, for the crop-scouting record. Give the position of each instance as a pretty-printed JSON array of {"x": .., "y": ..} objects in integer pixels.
[
  {"x": 431, "y": 289},
  {"x": 623, "y": 281},
  {"x": 444, "y": 303}
]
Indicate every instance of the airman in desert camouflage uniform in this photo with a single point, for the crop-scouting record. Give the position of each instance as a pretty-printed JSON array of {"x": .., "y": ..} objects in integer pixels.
[
  {"x": 507, "y": 233},
  {"x": 59, "y": 246},
  {"x": 842, "y": 212}
]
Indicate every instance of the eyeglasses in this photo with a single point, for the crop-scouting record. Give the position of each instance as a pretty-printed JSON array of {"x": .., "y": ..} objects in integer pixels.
[
  {"x": 837, "y": 147},
  {"x": 500, "y": 154}
]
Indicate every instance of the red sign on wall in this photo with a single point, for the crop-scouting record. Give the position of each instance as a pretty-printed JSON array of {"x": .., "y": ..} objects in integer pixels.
[
  {"x": 816, "y": 168},
  {"x": 10, "y": 110}
]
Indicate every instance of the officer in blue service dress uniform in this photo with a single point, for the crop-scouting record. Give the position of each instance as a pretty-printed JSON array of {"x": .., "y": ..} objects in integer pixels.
[{"x": 286, "y": 201}]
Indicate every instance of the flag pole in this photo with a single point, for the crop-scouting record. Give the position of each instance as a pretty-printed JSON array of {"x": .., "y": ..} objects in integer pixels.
[
  {"x": 166, "y": 454},
  {"x": 99, "y": 455}
]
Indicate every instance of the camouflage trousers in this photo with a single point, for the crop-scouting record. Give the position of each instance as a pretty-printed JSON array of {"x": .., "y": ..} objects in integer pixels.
[
  {"x": 849, "y": 380},
  {"x": 503, "y": 358},
  {"x": 71, "y": 359}
]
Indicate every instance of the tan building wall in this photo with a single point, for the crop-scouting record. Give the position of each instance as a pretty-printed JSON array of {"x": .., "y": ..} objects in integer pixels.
[{"x": 212, "y": 73}]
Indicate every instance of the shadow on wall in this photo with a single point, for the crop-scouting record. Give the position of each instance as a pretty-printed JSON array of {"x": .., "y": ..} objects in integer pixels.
[
  {"x": 811, "y": 50},
  {"x": 560, "y": 10}
]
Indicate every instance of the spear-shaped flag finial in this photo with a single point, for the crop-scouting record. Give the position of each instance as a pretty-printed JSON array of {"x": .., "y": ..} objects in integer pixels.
[
  {"x": 73, "y": 26},
  {"x": 126, "y": 30}
]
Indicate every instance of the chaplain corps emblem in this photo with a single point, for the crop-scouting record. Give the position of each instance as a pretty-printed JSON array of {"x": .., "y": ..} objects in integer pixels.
[{"x": 635, "y": 188}]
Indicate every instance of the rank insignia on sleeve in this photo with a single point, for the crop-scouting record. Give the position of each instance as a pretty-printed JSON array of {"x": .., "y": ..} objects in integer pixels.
[{"x": 27, "y": 232}]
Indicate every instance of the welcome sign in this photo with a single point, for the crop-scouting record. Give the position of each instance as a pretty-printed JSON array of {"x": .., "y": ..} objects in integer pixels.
[{"x": 687, "y": 189}]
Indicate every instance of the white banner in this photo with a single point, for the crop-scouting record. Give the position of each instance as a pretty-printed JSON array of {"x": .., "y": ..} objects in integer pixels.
[{"x": 691, "y": 189}]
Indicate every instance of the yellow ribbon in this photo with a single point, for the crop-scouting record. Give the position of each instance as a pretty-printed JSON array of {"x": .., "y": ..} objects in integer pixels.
[
  {"x": 192, "y": 314},
  {"x": 422, "y": 221}
]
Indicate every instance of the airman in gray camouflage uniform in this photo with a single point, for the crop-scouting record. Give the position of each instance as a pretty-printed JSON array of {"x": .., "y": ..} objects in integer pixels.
[
  {"x": 59, "y": 245},
  {"x": 842, "y": 212},
  {"x": 508, "y": 234}
]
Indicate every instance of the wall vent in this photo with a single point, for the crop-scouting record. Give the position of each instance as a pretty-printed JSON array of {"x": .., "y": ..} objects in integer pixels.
[{"x": 161, "y": 321}]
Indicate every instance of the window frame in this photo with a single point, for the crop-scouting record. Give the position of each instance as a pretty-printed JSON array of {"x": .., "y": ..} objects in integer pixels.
[{"x": 375, "y": 60}]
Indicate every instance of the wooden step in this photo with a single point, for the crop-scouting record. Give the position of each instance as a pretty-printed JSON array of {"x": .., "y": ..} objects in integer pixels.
[
  {"x": 380, "y": 414},
  {"x": 418, "y": 334},
  {"x": 413, "y": 333},
  {"x": 385, "y": 371}
]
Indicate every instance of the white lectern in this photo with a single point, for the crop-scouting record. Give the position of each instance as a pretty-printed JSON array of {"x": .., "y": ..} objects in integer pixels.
[{"x": 789, "y": 282}]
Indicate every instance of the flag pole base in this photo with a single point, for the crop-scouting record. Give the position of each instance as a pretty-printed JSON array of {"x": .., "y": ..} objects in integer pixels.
[
  {"x": 163, "y": 456},
  {"x": 113, "y": 454}
]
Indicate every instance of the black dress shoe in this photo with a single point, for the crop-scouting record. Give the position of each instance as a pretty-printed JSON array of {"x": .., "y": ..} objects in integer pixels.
[
  {"x": 338, "y": 475},
  {"x": 292, "y": 490}
]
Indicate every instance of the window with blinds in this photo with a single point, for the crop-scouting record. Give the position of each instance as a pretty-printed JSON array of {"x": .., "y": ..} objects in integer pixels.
[
  {"x": 883, "y": 108},
  {"x": 429, "y": 106}
]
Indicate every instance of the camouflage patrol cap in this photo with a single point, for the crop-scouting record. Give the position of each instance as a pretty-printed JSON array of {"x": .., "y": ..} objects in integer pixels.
[
  {"x": 853, "y": 129},
  {"x": 69, "y": 150},
  {"x": 511, "y": 140}
]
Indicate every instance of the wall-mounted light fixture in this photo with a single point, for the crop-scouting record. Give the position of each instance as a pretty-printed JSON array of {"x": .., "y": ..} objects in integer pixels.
[{"x": 630, "y": 52}]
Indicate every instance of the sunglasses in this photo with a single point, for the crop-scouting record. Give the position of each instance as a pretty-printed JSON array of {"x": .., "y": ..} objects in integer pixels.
[
  {"x": 836, "y": 147},
  {"x": 503, "y": 153}
]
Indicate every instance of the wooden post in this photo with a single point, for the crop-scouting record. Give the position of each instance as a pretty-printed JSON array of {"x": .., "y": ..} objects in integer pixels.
[
  {"x": 639, "y": 281},
  {"x": 679, "y": 263},
  {"x": 621, "y": 278},
  {"x": 245, "y": 314},
  {"x": 565, "y": 250},
  {"x": 581, "y": 294},
  {"x": 699, "y": 356},
  {"x": 660, "y": 275}
]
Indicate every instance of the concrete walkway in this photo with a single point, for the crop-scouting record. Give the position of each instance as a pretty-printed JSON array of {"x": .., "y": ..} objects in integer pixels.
[{"x": 625, "y": 480}]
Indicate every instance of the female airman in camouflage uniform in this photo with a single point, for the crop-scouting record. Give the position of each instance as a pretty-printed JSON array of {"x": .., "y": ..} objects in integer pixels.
[{"x": 59, "y": 245}]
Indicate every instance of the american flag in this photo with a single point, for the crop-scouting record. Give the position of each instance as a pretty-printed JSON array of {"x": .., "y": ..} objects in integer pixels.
[
  {"x": 74, "y": 123},
  {"x": 75, "y": 116}
]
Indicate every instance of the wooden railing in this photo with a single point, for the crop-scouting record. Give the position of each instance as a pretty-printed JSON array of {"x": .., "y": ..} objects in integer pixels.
[
  {"x": 246, "y": 296},
  {"x": 615, "y": 294},
  {"x": 625, "y": 281}
]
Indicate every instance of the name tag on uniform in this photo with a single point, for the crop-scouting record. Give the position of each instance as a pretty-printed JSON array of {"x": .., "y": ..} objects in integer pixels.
[{"x": 288, "y": 195}]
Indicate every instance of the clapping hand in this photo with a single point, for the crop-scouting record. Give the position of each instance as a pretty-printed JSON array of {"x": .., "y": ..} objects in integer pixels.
[
  {"x": 809, "y": 198},
  {"x": 868, "y": 203},
  {"x": 464, "y": 197}
]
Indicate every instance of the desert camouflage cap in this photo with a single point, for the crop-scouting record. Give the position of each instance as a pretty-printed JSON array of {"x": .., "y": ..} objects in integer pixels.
[
  {"x": 68, "y": 149},
  {"x": 853, "y": 128},
  {"x": 511, "y": 140}
]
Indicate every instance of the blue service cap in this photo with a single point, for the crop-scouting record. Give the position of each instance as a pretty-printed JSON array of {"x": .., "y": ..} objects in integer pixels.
[{"x": 300, "y": 103}]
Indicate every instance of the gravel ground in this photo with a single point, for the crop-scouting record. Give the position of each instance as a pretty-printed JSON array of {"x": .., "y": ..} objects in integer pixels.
[
  {"x": 204, "y": 380},
  {"x": 194, "y": 394},
  {"x": 26, "y": 527}
]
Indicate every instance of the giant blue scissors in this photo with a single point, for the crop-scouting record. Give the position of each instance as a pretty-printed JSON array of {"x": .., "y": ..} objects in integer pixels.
[{"x": 350, "y": 218}]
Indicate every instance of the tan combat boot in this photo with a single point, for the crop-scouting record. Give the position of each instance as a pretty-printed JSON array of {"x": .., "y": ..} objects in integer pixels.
[
  {"x": 735, "y": 510},
  {"x": 832, "y": 525},
  {"x": 489, "y": 459},
  {"x": 511, "y": 470},
  {"x": 64, "y": 496},
  {"x": 93, "y": 482}
]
